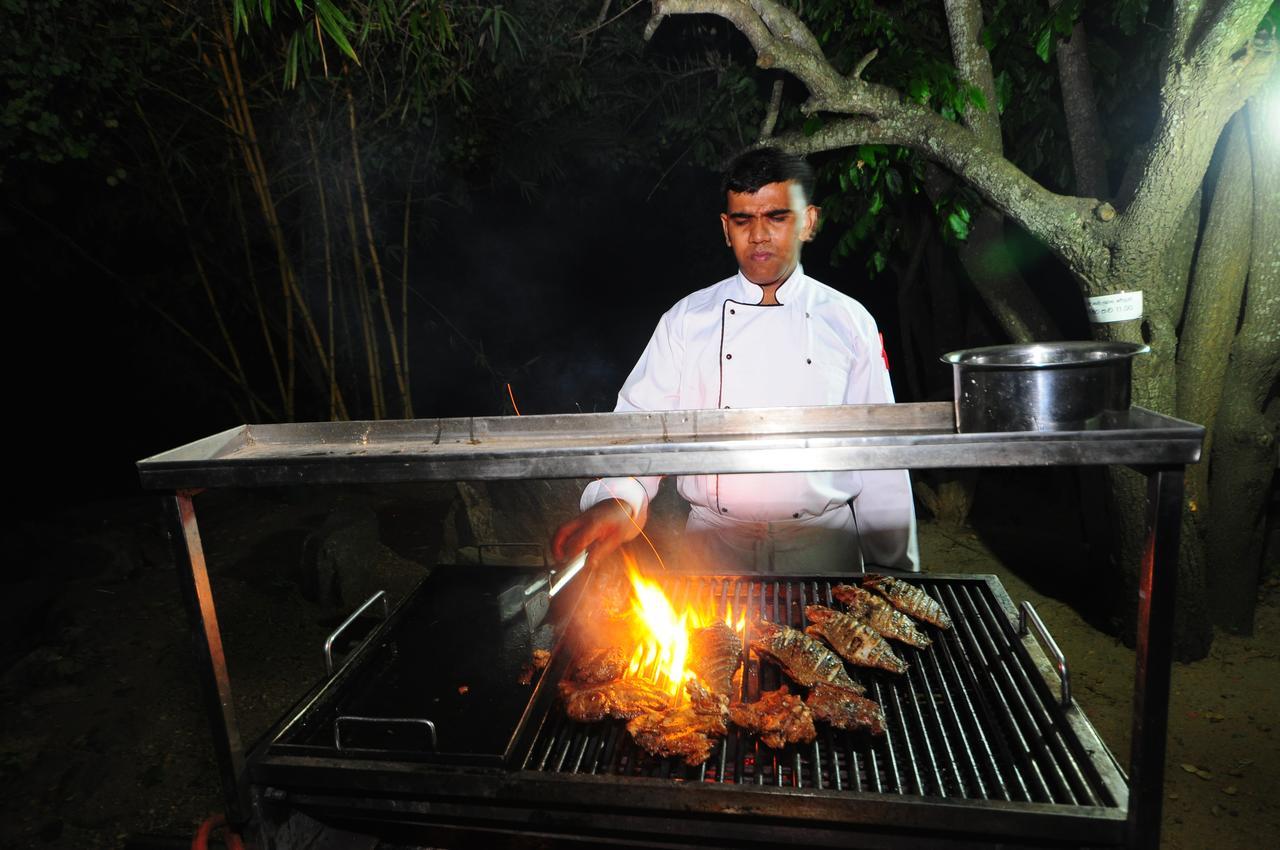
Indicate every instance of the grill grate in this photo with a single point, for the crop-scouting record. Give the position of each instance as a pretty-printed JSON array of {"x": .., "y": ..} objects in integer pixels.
[{"x": 972, "y": 718}]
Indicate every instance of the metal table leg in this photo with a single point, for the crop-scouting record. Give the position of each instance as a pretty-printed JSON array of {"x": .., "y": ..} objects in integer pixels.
[
  {"x": 1157, "y": 585},
  {"x": 211, "y": 664}
]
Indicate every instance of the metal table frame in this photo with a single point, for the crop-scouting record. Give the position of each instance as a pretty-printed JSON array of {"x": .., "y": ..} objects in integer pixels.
[{"x": 903, "y": 436}]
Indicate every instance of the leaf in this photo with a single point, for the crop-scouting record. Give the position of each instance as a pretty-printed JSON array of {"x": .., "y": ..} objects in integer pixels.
[
  {"x": 812, "y": 124},
  {"x": 877, "y": 262},
  {"x": 958, "y": 225},
  {"x": 893, "y": 179},
  {"x": 336, "y": 25},
  {"x": 977, "y": 98},
  {"x": 1043, "y": 39},
  {"x": 919, "y": 91},
  {"x": 877, "y": 203}
]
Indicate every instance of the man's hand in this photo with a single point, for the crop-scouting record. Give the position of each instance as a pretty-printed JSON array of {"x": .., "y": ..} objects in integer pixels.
[{"x": 600, "y": 529}]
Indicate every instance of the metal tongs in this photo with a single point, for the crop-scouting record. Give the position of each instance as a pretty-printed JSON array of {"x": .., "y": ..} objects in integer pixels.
[{"x": 534, "y": 599}]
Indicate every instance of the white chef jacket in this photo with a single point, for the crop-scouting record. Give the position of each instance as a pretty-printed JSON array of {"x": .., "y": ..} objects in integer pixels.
[{"x": 720, "y": 348}]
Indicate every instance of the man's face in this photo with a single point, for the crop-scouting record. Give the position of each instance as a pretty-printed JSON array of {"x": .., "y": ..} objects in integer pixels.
[{"x": 765, "y": 229}]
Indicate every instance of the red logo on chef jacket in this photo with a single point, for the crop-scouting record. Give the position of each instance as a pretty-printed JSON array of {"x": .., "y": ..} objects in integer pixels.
[{"x": 884, "y": 355}]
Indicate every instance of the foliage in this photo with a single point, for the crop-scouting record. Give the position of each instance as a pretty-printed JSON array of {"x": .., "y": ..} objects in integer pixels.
[{"x": 68, "y": 71}]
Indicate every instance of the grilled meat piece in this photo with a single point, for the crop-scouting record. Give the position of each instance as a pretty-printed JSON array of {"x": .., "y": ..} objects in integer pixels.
[
  {"x": 779, "y": 717},
  {"x": 845, "y": 709},
  {"x": 715, "y": 652},
  {"x": 852, "y": 639},
  {"x": 877, "y": 613},
  {"x": 801, "y": 657},
  {"x": 600, "y": 665},
  {"x": 908, "y": 598},
  {"x": 621, "y": 698},
  {"x": 689, "y": 731}
]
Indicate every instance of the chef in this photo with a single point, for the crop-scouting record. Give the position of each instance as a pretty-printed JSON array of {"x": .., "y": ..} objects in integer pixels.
[{"x": 770, "y": 336}]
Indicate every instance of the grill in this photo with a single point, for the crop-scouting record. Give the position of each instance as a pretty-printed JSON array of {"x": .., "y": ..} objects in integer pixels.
[
  {"x": 971, "y": 720},
  {"x": 421, "y": 734},
  {"x": 977, "y": 743}
]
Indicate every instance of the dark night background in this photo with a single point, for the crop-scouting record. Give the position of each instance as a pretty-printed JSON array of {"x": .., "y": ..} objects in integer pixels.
[
  {"x": 565, "y": 290},
  {"x": 565, "y": 195}
]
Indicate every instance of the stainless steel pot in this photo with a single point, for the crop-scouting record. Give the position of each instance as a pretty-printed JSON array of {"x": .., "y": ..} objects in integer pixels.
[{"x": 1048, "y": 386}]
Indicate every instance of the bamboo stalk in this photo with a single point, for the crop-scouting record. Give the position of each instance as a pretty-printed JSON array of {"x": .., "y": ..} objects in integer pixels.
[
  {"x": 362, "y": 301},
  {"x": 404, "y": 292},
  {"x": 241, "y": 376},
  {"x": 258, "y": 304},
  {"x": 235, "y": 102},
  {"x": 328, "y": 265},
  {"x": 374, "y": 262}
]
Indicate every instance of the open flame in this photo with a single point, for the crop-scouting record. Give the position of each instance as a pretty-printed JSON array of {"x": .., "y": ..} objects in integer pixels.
[{"x": 662, "y": 650}]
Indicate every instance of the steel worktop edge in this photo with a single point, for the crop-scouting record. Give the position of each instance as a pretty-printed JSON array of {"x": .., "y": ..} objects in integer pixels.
[{"x": 898, "y": 436}]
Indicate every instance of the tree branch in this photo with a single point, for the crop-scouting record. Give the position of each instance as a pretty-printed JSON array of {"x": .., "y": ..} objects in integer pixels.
[
  {"x": 1068, "y": 226},
  {"x": 771, "y": 116},
  {"x": 1079, "y": 107},
  {"x": 830, "y": 91},
  {"x": 964, "y": 21}
]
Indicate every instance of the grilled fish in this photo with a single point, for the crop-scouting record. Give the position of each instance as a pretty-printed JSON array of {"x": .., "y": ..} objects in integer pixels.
[
  {"x": 621, "y": 698},
  {"x": 852, "y": 639},
  {"x": 845, "y": 709},
  {"x": 715, "y": 653},
  {"x": 908, "y": 598},
  {"x": 779, "y": 717},
  {"x": 689, "y": 731},
  {"x": 802, "y": 658},
  {"x": 877, "y": 613}
]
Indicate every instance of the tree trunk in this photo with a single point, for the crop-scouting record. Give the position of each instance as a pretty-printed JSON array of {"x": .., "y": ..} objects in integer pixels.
[
  {"x": 1154, "y": 387},
  {"x": 986, "y": 259},
  {"x": 1213, "y": 304},
  {"x": 1080, "y": 108},
  {"x": 1248, "y": 422}
]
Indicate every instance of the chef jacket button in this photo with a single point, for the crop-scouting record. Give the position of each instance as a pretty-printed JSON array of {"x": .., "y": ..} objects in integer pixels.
[
  {"x": 728, "y": 357},
  {"x": 724, "y": 510},
  {"x": 806, "y": 315},
  {"x": 795, "y": 516},
  {"x": 733, "y": 312},
  {"x": 726, "y": 407},
  {"x": 808, "y": 360}
]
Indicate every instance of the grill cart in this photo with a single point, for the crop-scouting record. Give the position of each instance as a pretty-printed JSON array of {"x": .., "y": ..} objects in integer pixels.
[{"x": 983, "y": 744}]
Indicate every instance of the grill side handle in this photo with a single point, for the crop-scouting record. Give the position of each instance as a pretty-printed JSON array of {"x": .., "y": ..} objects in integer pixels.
[
  {"x": 418, "y": 722},
  {"x": 1028, "y": 621},
  {"x": 355, "y": 615}
]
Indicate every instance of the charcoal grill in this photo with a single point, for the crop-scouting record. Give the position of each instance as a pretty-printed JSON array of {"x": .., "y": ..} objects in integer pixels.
[{"x": 984, "y": 744}]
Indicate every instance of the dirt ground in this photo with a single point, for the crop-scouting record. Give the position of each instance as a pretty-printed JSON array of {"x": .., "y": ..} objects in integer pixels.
[{"x": 103, "y": 739}]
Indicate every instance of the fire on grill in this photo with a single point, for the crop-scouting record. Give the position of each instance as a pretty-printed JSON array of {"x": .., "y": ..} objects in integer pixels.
[{"x": 674, "y": 673}]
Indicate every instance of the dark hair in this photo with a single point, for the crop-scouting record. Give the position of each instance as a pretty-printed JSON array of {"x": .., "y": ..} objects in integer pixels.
[{"x": 753, "y": 169}]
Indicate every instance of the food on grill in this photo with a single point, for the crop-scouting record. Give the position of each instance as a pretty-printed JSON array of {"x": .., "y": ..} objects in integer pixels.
[
  {"x": 908, "y": 598},
  {"x": 537, "y": 661},
  {"x": 688, "y": 731},
  {"x": 599, "y": 665},
  {"x": 845, "y": 709},
  {"x": 801, "y": 657},
  {"x": 880, "y": 615},
  {"x": 779, "y": 717},
  {"x": 852, "y": 639},
  {"x": 621, "y": 698},
  {"x": 715, "y": 655}
]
